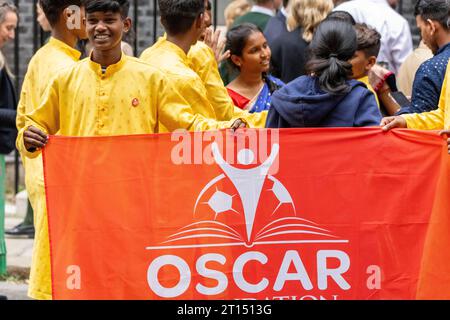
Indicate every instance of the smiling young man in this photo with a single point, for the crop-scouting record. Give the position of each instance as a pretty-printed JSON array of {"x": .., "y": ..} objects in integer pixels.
[
  {"x": 57, "y": 54},
  {"x": 108, "y": 93}
]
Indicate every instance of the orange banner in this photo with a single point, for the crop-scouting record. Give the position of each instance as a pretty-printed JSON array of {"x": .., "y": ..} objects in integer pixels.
[{"x": 305, "y": 214}]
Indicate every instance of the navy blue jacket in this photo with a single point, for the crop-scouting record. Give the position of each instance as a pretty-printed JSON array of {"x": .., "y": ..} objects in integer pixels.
[
  {"x": 289, "y": 55},
  {"x": 275, "y": 28},
  {"x": 428, "y": 82},
  {"x": 301, "y": 103}
]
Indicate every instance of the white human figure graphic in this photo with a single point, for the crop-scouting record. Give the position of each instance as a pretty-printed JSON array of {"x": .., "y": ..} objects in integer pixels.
[{"x": 248, "y": 182}]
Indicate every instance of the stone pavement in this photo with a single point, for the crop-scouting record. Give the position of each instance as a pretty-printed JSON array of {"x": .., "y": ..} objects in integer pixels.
[{"x": 18, "y": 258}]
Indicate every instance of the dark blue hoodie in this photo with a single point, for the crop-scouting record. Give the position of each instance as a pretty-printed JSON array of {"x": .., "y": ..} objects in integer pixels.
[{"x": 301, "y": 103}]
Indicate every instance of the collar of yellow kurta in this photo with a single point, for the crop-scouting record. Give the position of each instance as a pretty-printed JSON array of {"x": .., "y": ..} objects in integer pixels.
[
  {"x": 112, "y": 69},
  {"x": 60, "y": 45},
  {"x": 364, "y": 80},
  {"x": 163, "y": 43}
]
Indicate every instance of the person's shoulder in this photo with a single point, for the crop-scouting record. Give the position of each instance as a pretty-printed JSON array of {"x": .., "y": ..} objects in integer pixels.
[
  {"x": 393, "y": 18},
  {"x": 353, "y": 5},
  {"x": 357, "y": 84},
  {"x": 75, "y": 67},
  {"x": 41, "y": 54},
  {"x": 303, "y": 84},
  {"x": 200, "y": 50},
  {"x": 432, "y": 66},
  {"x": 252, "y": 17},
  {"x": 146, "y": 53},
  {"x": 358, "y": 90},
  {"x": 140, "y": 65},
  {"x": 175, "y": 73},
  {"x": 276, "y": 80}
]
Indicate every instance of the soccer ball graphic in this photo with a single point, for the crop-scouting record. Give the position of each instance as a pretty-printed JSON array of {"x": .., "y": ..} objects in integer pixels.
[
  {"x": 221, "y": 202},
  {"x": 274, "y": 198}
]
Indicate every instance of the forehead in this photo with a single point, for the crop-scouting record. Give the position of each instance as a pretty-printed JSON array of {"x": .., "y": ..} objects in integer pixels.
[
  {"x": 10, "y": 17},
  {"x": 104, "y": 14},
  {"x": 255, "y": 38}
]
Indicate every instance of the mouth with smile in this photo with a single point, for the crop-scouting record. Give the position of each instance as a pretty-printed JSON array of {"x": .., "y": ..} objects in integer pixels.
[{"x": 101, "y": 37}]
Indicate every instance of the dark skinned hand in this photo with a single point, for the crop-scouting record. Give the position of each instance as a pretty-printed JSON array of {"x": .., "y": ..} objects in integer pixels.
[
  {"x": 34, "y": 139},
  {"x": 447, "y": 133},
  {"x": 237, "y": 125}
]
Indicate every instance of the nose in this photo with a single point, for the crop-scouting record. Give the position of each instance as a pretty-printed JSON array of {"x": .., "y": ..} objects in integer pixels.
[
  {"x": 12, "y": 35},
  {"x": 264, "y": 53},
  {"x": 100, "y": 27},
  {"x": 267, "y": 53}
]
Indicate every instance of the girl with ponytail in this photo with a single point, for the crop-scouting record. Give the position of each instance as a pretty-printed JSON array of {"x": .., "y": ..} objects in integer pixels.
[
  {"x": 326, "y": 97},
  {"x": 250, "y": 56}
]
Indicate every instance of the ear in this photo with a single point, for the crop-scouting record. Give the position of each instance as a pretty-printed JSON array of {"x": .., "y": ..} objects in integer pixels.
[
  {"x": 199, "y": 21},
  {"x": 431, "y": 25},
  {"x": 66, "y": 14},
  {"x": 127, "y": 25},
  {"x": 371, "y": 62},
  {"x": 236, "y": 60}
]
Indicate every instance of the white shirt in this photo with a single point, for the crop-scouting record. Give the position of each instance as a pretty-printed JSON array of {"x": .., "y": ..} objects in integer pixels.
[
  {"x": 396, "y": 40},
  {"x": 256, "y": 8}
]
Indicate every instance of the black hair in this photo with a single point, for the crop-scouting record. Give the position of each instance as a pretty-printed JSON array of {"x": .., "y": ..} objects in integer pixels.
[
  {"x": 436, "y": 10},
  {"x": 285, "y": 3},
  {"x": 236, "y": 41},
  {"x": 115, "y": 6},
  {"x": 53, "y": 8},
  {"x": 416, "y": 9},
  {"x": 209, "y": 6},
  {"x": 342, "y": 16},
  {"x": 177, "y": 16},
  {"x": 273, "y": 86},
  {"x": 333, "y": 45}
]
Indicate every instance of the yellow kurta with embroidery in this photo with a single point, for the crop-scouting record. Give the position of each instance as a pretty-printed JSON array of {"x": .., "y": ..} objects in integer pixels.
[
  {"x": 203, "y": 62},
  {"x": 45, "y": 64},
  {"x": 438, "y": 119},
  {"x": 131, "y": 97}
]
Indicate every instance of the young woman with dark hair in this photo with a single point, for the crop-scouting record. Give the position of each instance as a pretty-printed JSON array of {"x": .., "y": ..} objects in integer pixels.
[
  {"x": 326, "y": 97},
  {"x": 250, "y": 55}
]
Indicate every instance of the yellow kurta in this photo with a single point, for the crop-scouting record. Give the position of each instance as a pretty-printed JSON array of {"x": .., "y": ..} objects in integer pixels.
[
  {"x": 365, "y": 80},
  {"x": 175, "y": 63},
  {"x": 438, "y": 119},
  {"x": 199, "y": 84},
  {"x": 203, "y": 62},
  {"x": 45, "y": 64},
  {"x": 131, "y": 97}
]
